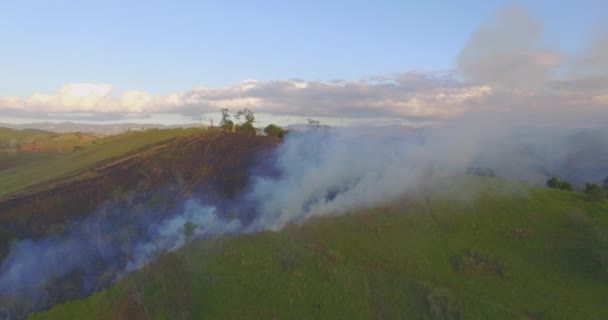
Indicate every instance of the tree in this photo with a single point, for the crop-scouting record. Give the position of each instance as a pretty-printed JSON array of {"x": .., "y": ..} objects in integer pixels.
[
  {"x": 249, "y": 117},
  {"x": 594, "y": 192},
  {"x": 246, "y": 125},
  {"x": 246, "y": 128},
  {"x": 275, "y": 131},
  {"x": 565, "y": 185},
  {"x": 226, "y": 123},
  {"x": 555, "y": 183},
  {"x": 605, "y": 184}
]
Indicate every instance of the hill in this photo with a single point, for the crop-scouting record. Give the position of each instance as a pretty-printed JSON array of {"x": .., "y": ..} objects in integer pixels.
[
  {"x": 509, "y": 252},
  {"x": 18, "y": 147},
  {"x": 460, "y": 248},
  {"x": 57, "y": 191},
  {"x": 103, "y": 129},
  {"x": 96, "y": 150}
]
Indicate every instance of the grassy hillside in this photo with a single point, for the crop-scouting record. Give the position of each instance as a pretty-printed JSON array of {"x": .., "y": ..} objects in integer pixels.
[
  {"x": 507, "y": 252},
  {"x": 39, "y": 140},
  {"x": 6, "y": 134},
  {"x": 36, "y": 145},
  {"x": 35, "y": 172}
]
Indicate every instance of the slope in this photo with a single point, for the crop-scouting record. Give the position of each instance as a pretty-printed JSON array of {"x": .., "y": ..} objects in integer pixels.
[
  {"x": 182, "y": 162},
  {"x": 53, "y": 168},
  {"x": 36, "y": 145},
  {"x": 506, "y": 252}
]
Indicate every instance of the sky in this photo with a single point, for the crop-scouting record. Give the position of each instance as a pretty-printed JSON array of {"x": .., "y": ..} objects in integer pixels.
[{"x": 115, "y": 60}]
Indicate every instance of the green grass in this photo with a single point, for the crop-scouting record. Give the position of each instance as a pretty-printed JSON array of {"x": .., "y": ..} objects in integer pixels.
[
  {"x": 11, "y": 161},
  {"x": 506, "y": 252},
  {"x": 7, "y": 134},
  {"x": 52, "y": 168},
  {"x": 45, "y": 144}
]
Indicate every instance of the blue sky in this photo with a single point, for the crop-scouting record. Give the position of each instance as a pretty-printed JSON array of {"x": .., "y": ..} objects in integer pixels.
[
  {"x": 381, "y": 62},
  {"x": 166, "y": 46}
]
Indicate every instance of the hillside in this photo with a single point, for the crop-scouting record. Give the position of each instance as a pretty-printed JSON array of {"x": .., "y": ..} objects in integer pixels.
[
  {"x": 103, "y": 129},
  {"x": 183, "y": 161},
  {"x": 507, "y": 252},
  {"x": 19, "y": 147},
  {"x": 59, "y": 167}
]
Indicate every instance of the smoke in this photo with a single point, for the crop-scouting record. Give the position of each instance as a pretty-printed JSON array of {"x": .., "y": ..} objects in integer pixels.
[
  {"x": 508, "y": 51},
  {"x": 93, "y": 253},
  {"x": 323, "y": 171},
  {"x": 320, "y": 172},
  {"x": 536, "y": 123},
  {"x": 332, "y": 171},
  {"x": 171, "y": 234}
]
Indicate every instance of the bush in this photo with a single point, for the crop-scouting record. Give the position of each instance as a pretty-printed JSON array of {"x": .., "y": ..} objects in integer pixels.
[
  {"x": 275, "y": 131},
  {"x": 555, "y": 183},
  {"x": 594, "y": 192},
  {"x": 227, "y": 125},
  {"x": 246, "y": 128}
]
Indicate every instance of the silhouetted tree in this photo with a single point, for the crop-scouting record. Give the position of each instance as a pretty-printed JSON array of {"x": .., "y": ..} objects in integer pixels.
[
  {"x": 226, "y": 123},
  {"x": 246, "y": 125}
]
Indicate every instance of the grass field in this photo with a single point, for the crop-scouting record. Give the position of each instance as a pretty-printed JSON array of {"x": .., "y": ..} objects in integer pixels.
[
  {"x": 506, "y": 252},
  {"x": 11, "y": 161},
  {"x": 60, "y": 166},
  {"x": 6, "y": 134}
]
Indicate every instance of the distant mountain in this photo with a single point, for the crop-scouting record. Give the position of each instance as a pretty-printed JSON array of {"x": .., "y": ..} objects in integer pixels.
[{"x": 102, "y": 129}]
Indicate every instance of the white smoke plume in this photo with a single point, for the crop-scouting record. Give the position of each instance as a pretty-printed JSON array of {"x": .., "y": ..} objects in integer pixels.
[{"x": 529, "y": 124}]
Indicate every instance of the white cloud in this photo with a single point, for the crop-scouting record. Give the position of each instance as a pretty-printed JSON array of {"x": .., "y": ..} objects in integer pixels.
[
  {"x": 506, "y": 67},
  {"x": 414, "y": 97}
]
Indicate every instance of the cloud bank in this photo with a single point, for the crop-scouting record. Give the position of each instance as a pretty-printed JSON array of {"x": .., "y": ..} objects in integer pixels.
[{"x": 507, "y": 65}]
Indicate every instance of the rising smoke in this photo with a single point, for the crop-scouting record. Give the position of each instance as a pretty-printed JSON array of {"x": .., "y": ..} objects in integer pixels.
[{"x": 331, "y": 171}]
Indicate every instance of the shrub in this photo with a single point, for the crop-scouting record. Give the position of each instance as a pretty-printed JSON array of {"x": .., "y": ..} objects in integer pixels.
[
  {"x": 275, "y": 131},
  {"x": 227, "y": 125},
  {"x": 555, "y": 183},
  {"x": 594, "y": 192},
  {"x": 246, "y": 128}
]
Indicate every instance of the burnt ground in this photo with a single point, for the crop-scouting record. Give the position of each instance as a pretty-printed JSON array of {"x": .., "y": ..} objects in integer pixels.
[{"x": 212, "y": 163}]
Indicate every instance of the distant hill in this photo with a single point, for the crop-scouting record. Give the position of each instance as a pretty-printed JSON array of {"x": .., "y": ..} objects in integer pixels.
[
  {"x": 103, "y": 129},
  {"x": 21, "y": 146},
  {"x": 95, "y": 150}
]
